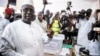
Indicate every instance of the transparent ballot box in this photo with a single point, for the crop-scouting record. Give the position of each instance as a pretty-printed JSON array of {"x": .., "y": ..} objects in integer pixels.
[{"x": 54, "y": 46}]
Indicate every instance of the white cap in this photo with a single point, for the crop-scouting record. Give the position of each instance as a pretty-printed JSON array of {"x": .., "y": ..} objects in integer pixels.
[{"x": 29, "y": 2}]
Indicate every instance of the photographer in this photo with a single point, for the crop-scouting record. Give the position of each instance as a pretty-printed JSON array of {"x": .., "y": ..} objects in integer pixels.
[
  {"x": 94, "y": 37},
  {"x": 97, "y": 24},
  {"x": 81, "y": 15},
  {"x": 64, "y": 21},
  {"x": 64, "y": 24},
  {"x": 85, "y": 26}
]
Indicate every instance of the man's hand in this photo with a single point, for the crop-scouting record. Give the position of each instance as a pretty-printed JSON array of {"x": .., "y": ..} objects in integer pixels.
[{"x": 49, "y": 33}]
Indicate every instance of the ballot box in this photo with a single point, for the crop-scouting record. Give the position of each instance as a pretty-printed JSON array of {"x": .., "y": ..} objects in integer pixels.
[
  {"x": 54, "y": 46},
  {"x": 64, "y": 52}
]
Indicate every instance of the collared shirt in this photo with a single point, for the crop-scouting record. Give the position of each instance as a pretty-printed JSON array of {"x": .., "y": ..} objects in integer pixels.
[
  {"x": 42, "y": 24},
  {"x": 85, "y": 26},
  {"x": 3, "y": 23}
]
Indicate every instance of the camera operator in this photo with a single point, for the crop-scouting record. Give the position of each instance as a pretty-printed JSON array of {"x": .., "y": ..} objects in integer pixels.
[
  {"x": 81, "y": 15},
  {"x": 92, "y": 35},
  {"x": 64, "y": 21},
  {"x": 67, "y": 28},
  {"x": 74, "y": 14},
  {"x": 85, "y": 26},
  {"x": 64, "y": 24},
  {"x": 97, "y": 24}
]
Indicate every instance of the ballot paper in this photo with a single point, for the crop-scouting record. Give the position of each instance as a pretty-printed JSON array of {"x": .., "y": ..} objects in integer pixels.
[
  {"x": 54, "y": 46},
  {"x": 64, "y": 52}
]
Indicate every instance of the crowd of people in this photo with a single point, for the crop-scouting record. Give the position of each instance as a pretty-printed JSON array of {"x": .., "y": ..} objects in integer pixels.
[{"x": 22, "y": 35}]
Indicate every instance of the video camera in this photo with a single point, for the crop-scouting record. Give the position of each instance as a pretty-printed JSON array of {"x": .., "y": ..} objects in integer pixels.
[
  {"x": 81, "y": 14},
  {"x": 69, "y": 5}
]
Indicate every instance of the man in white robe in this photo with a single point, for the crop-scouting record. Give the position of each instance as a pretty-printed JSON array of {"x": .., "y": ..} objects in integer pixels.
[
  {"x": 84, "y": 26},
  {"x": 23, "y": 37},
  {"x": 40, "y": 21},
  {"x": 3, "y": 24}
]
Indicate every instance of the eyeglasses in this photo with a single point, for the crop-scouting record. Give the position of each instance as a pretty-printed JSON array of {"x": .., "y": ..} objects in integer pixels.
[{"x": 28, "y": 9}]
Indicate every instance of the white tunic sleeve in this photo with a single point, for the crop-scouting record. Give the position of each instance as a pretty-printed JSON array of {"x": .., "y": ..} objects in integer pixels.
[
  {"x": 44, "y": 35},
  {"x": 7, "y": 46},
  {"x": 77, "y": 25},
  {"x": 92, "y": 20},
  {"x": 45, "y": 38}
]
